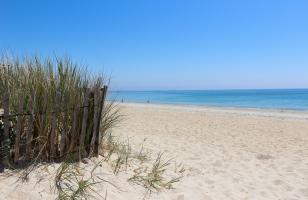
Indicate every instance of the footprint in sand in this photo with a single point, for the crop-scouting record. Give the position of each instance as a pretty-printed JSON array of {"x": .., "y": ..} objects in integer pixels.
[
  {"x": 217, "y": 163},
  {"x": 264, "y": 157},
  {"x": 209, "y": 181},
  {"x": 278, "y": 182}
]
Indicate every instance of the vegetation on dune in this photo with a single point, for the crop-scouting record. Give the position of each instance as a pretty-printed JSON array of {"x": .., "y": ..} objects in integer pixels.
[
  {"x": 71, "y": 184},
  {"x": 51, "y": 87},
  {"x": 154, "y": 178},
  {"x": 61, "y": 84}
]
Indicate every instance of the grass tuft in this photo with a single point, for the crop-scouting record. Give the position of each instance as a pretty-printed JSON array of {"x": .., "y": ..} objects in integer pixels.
[
  {"x": 154, "y": 178},
  {"x": 70, "y": 183}
]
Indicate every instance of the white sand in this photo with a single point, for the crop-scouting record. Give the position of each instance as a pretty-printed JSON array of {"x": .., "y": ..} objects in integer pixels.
[{"x": 228, "y": 154}]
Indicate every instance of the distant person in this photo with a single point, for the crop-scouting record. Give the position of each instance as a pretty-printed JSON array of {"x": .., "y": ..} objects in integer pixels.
[{"x": 122, "y": 100}]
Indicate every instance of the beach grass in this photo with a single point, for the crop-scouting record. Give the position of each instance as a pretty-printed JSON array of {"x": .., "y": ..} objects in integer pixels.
[
  {"x": 154, "y": 178},
  {"x": 71, "y": 184},
  {"x": 45, "y": 78},
  {"x": 39, "y": 81}
]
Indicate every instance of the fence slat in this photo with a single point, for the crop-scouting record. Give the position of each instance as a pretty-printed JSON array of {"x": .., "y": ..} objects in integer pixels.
[
  {"x": 53, "y": 134},
  {"x": 101, "y": 107},
  {"x": 18, "y": 127},
  {"x": 64, "y": 133},
  {"x": 84, "y": 122},
  {"x": 95, "y": 122},
  {"x": 43, "y": 135},
  {"x": 74, "y": 133},
  {"x": 6, "y": 107},
  {"x": 6, "y": 121},
  {"x": 30, "y": 130}
]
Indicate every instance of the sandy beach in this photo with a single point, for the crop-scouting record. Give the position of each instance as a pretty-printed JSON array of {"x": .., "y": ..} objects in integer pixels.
[
  {"x": 227, "y": 153},
  {"x": 154, "y": 100}
]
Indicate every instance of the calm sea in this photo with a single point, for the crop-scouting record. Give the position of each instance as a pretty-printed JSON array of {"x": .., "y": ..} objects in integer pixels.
[{"x": 293, "y": 99}]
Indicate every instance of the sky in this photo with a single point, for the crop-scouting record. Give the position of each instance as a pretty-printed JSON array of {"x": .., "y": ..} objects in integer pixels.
[{"x": 168, "y": 44}]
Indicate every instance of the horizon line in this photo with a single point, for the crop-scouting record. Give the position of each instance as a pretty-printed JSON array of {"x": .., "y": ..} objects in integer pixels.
[{"x": 146, "y": 90}]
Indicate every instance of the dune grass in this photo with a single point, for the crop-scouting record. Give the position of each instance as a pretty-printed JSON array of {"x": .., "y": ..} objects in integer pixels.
[
  {"x": 154, "y": 178},
  {"x": 44, "y": 79},
  {"x": 71, "y": 184}
]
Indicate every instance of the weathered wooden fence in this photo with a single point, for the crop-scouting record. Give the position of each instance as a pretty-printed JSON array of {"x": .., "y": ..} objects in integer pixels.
[{"x": 78, "y": 134}]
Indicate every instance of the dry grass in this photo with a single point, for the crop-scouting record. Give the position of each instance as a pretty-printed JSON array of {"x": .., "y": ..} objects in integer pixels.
[
  {"x": 71, "y": 184},
  {"x": 143, "y": 155},
  {"x": 44, "y": 79},
  {"x": 154, "y": 178},
  {"x": 117, "y": 152},
  {"x": 61, "y": 75}
]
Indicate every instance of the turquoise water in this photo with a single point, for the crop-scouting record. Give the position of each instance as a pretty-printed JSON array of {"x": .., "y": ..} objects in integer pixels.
[{"x": 293, "y": 99}]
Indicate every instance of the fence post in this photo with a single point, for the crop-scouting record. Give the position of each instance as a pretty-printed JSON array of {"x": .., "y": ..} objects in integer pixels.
[
  {"x": 84, "y": 122},
  {"x": 101, "y": 107},
  {"x": 19, "y": 126},
  {"x": 74, "y": 129},
  {"x": 43, "y": 135},
  {"x": 53, "y": 134},
  {"x": 30, "y": 130},
  {"x": 95, "y": 122},
  {"x": 6, "y": 122},
  {"x": 64, "y": 133}
]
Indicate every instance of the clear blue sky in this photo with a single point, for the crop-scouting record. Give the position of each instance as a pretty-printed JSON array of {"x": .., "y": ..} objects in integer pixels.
[{"x": 168, "y": 44}]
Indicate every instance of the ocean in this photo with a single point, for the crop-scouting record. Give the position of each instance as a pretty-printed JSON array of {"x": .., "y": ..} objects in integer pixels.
[{"x": 289, "y": 99}]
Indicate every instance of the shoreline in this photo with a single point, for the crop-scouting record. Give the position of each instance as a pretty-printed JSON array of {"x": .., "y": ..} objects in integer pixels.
[{"x": 259, "y": 112}]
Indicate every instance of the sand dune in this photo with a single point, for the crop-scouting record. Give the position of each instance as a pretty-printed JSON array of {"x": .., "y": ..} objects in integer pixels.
[{"x": 227, "y": 153}]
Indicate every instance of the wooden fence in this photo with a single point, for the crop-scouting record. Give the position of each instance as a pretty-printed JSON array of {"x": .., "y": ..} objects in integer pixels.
[{"x": 78, "y": 134}]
